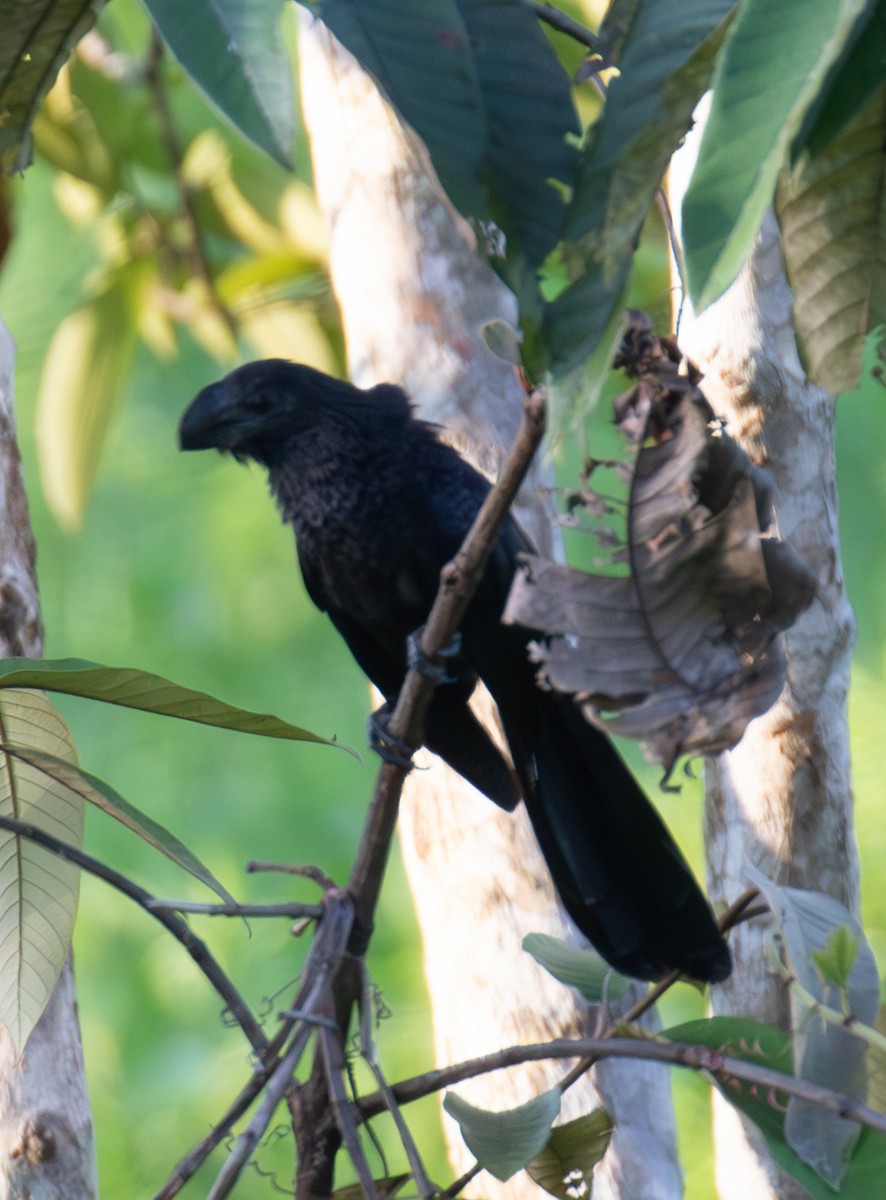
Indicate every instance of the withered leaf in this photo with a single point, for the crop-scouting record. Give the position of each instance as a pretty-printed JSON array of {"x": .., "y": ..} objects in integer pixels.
[{"x": 682, "y": 654}]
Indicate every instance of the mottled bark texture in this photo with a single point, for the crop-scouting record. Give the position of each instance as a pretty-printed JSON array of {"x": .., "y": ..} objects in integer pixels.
[
  {"x": 782, "y": 799},
  {"x": 46, "y": 1138},
  {"x": 413, "y": 295}
]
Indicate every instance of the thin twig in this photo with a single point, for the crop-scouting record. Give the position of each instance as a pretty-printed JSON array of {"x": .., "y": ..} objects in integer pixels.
[
  {"x": 179, "y": 929},
  {"x": 237, "y": 910},
  {"x": 676, "y": 1054},
  {"x": 369, "y": 1053},
  {"x": 324, "y": 959},
  {"x": 303, "y": 870},
  {"x": 344, "y": 1109},
  {"x": 564, "y": 24}
]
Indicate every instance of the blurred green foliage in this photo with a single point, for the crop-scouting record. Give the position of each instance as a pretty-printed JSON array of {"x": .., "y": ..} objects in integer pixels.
[{"x": 180, "y": 566}]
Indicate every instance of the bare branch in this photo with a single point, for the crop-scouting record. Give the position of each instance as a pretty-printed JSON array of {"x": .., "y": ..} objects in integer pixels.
[
  {"x": 197, "y": 949},
  {"x": 324, "y": 960},
  {"x": 236, "y": 910}
]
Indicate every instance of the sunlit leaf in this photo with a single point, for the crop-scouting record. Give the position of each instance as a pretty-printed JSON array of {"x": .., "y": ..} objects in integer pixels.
[
  {"x": 832, "y": 213},
  {"x": 576, "y": 966},
  {"x": 504, "y": 1142},
  {"x": 774, "y": 62},
  {"x": 68, "y": 778},
  {"x": 38, "y": 890},
  {"x": 132, "y": 688},
  {"x": 85, "y": 373},
  {"x": 565, "y": 1166},
  {"x": 234, "y": 52}
]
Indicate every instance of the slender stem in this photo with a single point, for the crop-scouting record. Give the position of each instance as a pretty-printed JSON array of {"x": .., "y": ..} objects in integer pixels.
[
  {"x": 324, "y": 960},
  {"x": 723, "y": 1067},
  {"x": 564, "y": 24},
  {"x": 234, "y": 1002}
]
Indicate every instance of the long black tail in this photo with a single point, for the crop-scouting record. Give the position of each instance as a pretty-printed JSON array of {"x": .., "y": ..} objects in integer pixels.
[{"x": 619, "y": 872}]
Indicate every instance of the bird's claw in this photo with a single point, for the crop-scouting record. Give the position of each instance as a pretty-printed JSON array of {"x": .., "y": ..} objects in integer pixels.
[
  {"x": 390, "y": 749},
  {"x": 442, "y": 666}
]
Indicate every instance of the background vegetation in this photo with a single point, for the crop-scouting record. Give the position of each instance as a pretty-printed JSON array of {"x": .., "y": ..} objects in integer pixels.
[{"x": 180, "y": 566}]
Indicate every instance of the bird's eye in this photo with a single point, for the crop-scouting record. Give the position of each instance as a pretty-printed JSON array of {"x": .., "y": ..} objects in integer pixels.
[{"x": 261, "y": 403}]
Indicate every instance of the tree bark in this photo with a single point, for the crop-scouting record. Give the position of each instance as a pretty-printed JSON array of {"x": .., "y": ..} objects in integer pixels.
[
  {"x": 414, "y": 295},
  {"x": 782, "y": 799},
  {"x": 46, "y": 1139}
]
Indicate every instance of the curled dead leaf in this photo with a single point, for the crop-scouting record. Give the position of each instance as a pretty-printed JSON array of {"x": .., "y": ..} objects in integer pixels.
[{"x": 684, "y": 652}]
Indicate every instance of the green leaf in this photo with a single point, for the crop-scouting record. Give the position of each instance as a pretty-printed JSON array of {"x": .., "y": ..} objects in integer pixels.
[
  {"x": 38, "y": 891},
  {"x": 131, "y": 688},
  {"x": 565, "y": 1166},
  {"x": 771, "y": 1047},
  {"x": 504, "y": 1142},
  {"x": 832, "y": 213},
  {"x": 773, "y": 64},
  {"x": 418, "y": 52},
  {"x": 234, "y": 52},
  {"x": 665, "y": 65},
  {"x": 529, "y": 113},
  {"x": 577, "y": 967},
  {"x": 834, "y": 963},
  {"x": 79, "y": 785},
  {"x": 851, "y": 82},
  {"x": 84, "y": 376},
  {"x": 36, "y": 42},
  {"x": 811, "y": 924},
  {"x": 482, "y": 87}
]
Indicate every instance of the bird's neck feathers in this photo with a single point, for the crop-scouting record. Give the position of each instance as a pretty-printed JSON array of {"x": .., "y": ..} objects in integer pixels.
[{"x": 351, "y": 446}]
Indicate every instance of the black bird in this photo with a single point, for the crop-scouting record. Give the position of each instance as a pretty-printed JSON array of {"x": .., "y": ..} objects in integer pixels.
[{"x": 379, "y": 504}]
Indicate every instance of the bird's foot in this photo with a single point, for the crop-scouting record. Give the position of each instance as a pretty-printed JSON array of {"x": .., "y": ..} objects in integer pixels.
[
  {"x": 390, "y": 749},
  {"x": 443, "y": 666}
]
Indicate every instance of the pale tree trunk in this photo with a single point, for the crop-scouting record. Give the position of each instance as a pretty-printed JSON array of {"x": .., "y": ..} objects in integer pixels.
[
  {"x": 46, "y": 1139},
  {"x": 782, "y": 799},
  {"x": 413, "y": 295}
]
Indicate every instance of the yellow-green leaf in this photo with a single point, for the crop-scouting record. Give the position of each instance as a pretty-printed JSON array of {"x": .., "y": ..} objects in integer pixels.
[{"x": 38, "y": 890}]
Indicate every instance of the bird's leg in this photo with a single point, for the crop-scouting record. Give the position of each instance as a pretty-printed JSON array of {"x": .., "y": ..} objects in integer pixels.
[
  {"x": 390, "y": 749},
  {"x": 443, "y": 666}
]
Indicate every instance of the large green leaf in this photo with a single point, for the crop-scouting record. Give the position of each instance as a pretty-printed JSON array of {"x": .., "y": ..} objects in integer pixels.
[
  {"x": 774, "y": 62},
  {"x": 504, "y": 1142},
  {"x": 38, "y": 890},
  {"x": 36, "y": 41},
  {"x": 233, "y": 51},
  {"x": 481, "y": 86},
  {"x": 665, "y": 64},
  {"x": 67, "y": 778},
  {"x": 754, "y": 1042},
  {"x": 832, "y": 213},
  {"x": 131, "y": 688},
  {"x": 418, "y": 51},
  {"x": 851, "y": 82},
  {"x": 529, "y": 113}
]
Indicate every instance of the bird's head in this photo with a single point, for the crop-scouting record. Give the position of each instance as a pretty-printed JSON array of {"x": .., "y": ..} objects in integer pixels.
[{"x": 254, "y": 411}]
